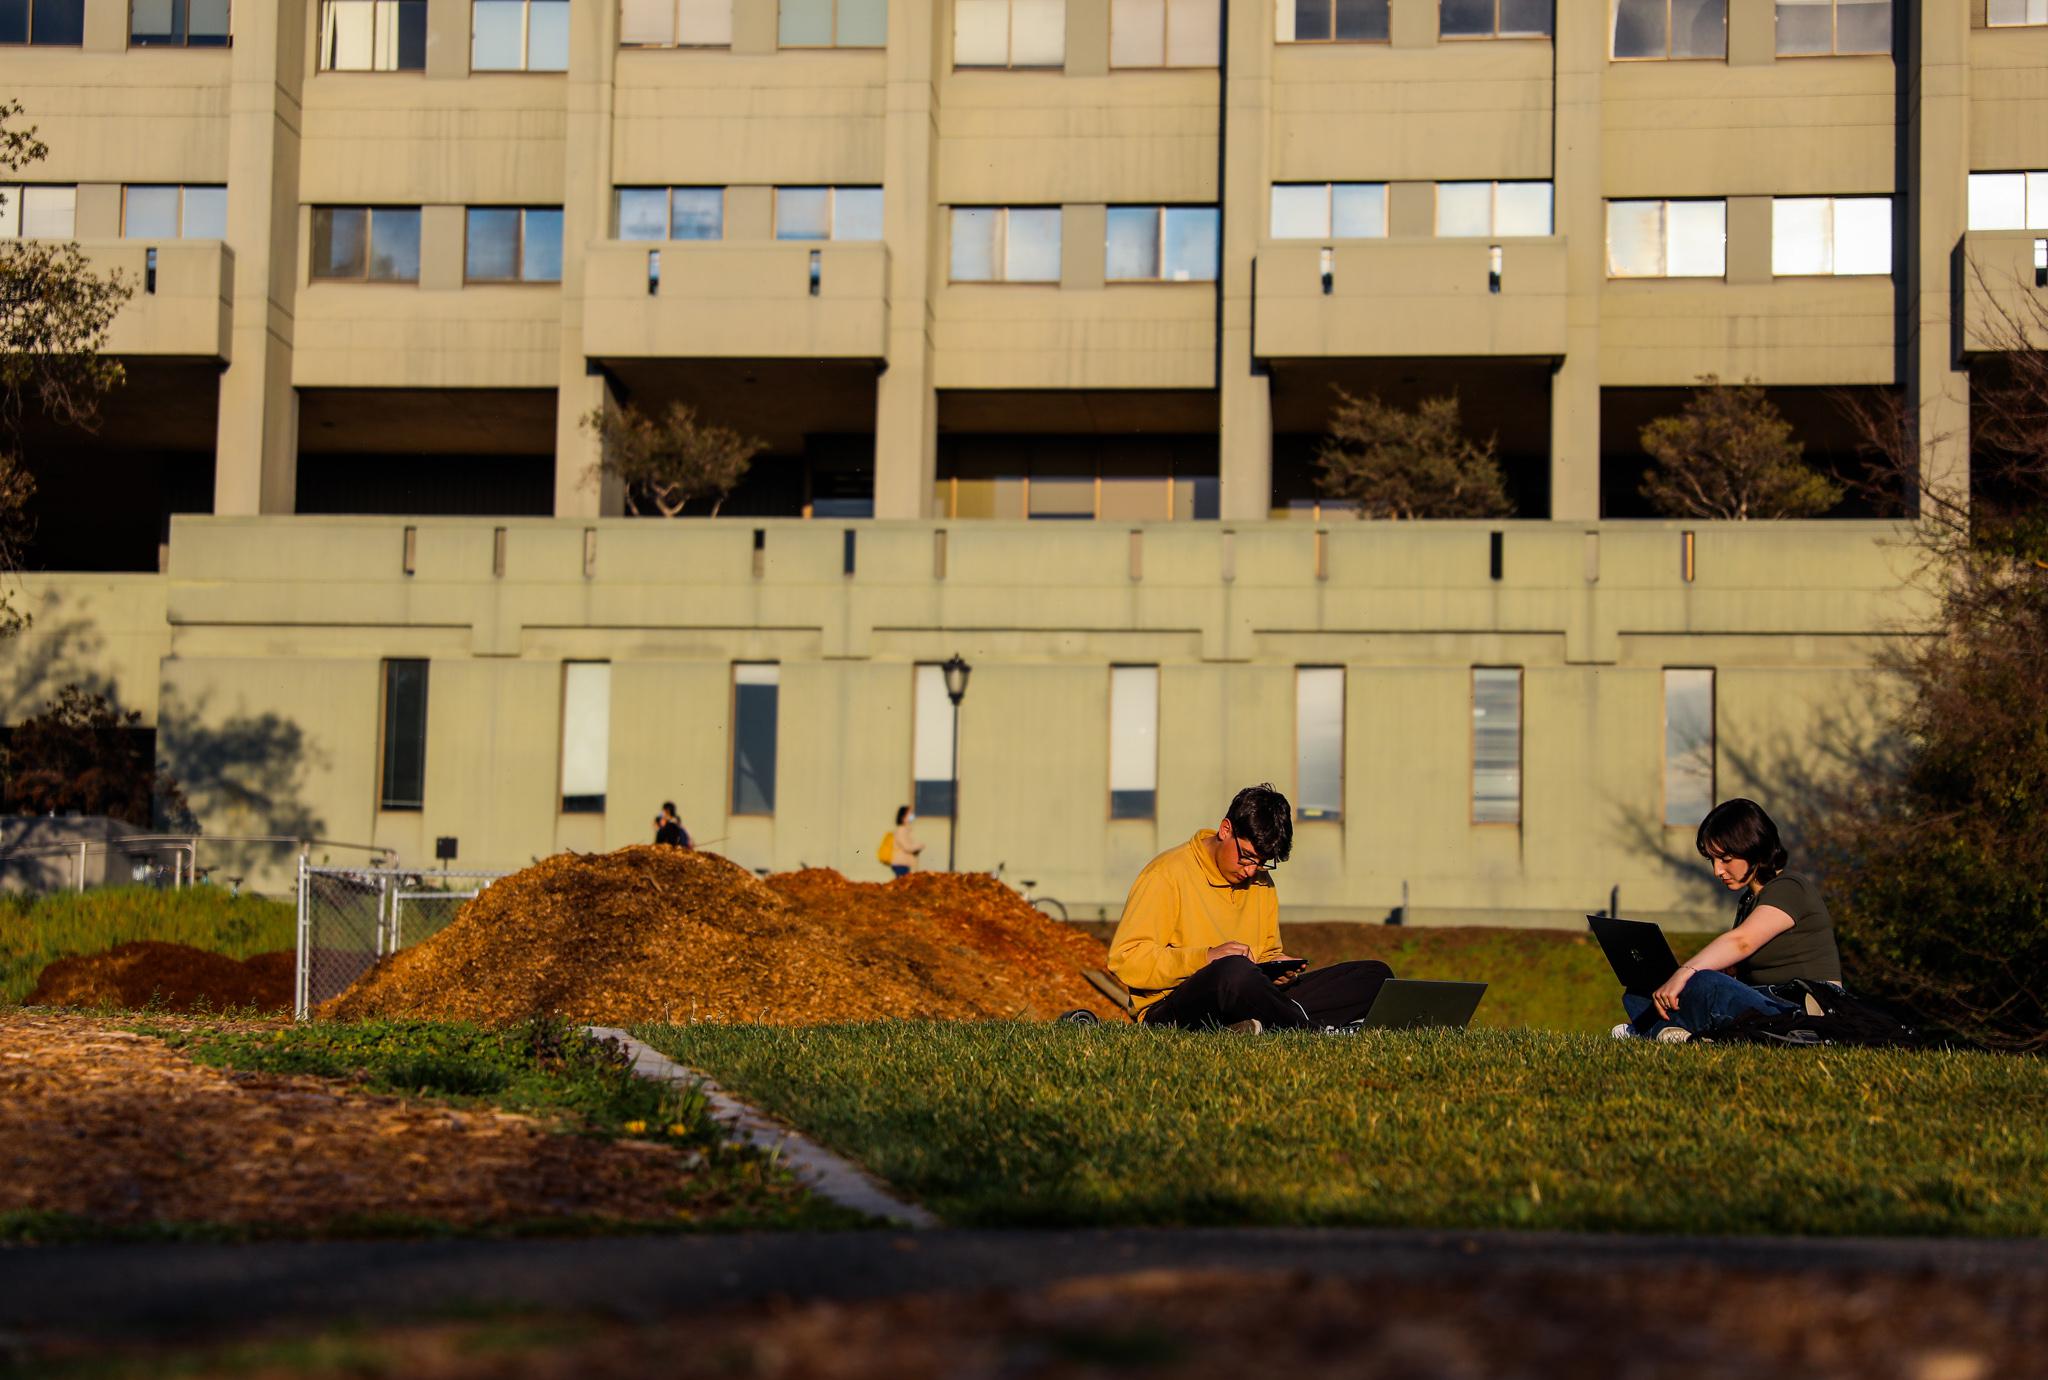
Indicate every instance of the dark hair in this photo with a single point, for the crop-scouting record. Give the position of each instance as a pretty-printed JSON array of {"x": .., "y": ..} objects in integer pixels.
[
  {"x": 669, "y": 806},
  {"x": 901, "y": 811},
  {"x": 1262, "y": 817},
  {"x": 1740, "y": 829}
]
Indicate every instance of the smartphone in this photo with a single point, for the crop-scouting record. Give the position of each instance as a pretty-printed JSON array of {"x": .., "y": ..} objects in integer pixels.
[{"x": 1281, "y": 967}]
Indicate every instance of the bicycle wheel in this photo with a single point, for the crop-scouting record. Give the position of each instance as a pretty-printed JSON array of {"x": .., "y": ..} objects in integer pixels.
[{"x": 1051, "y": 907}]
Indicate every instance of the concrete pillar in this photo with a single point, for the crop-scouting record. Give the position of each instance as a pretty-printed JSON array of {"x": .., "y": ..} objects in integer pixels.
[
  {"x": 750, "y": 213},
  {"x": 1936, "y": 53},
  {"x": 586, "y": 217},
  {"x": 98, "y": 211},
  {"x": 1245, "y": 391},
  {"x": 106, "y": 26},
  {"x": 1752, "y": 32},
  {"x": 906, "y": 405},
  {"x": 257, "y": 435},
  {"x": 1411, "y": 210},
  {"x": 754, "y": 26},
  {"x": 1749, "y": 241},
  {"x": 448, "y": 39},
  {"x": 443, "y": 242},
  {"x": 1581, "y": 219},
  {"x": 1412, "y": 23},
  {"x": 1084, "y": 229},
  {"x": 1087, "y": 38}
]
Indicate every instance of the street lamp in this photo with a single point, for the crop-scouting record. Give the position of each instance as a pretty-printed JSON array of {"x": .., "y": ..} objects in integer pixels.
[{"x": 956, "y": 673}]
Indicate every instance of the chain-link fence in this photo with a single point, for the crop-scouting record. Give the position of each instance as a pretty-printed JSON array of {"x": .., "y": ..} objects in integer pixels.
[{"x": 349, "y": 917}]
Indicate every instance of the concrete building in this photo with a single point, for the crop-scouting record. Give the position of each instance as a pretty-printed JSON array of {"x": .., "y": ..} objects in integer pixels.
[{"x": 968, "y": 266}]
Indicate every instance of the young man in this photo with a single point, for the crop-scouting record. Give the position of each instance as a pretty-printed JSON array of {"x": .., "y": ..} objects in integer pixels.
[{"x": 1202, "y": 916}]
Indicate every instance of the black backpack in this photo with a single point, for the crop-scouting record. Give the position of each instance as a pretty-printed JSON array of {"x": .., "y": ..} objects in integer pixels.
[{"x": 1843, "y": 1020}]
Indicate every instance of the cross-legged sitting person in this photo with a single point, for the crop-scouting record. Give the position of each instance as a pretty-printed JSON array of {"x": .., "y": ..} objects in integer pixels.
[{"x": 1201, "y": 918}]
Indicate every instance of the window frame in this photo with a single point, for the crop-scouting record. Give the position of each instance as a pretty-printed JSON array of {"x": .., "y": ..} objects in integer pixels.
[
  {"x": 182, "y": 189},
  {"x": 525, "y": 67},
  {"x": 2029, "y": 179},
  {"x": 1664, "y": 205},
  {"x": 15, "y": 213},
  {"x": 29, "y": 37},
  {"x": 1165, "y": 46},
  {"x": 396, "y": 9},
  {"x": 1713, "y": 741},
  {"x": 1497, "y": 36},
  {"x": 831, "y": 235},
  {"x": 519, "y": 278},
  {"x": 668, "y": 211},
  {"x": 1000, "y": 259},
  {"x": 369, "y": 247},
  {"x": 1284, "y": 6},
  {"x": 1521, "y": 747},
  {"x": 1614, "y": 19},
  {"x": 1110, "y": 792},
  {"x": 1159, "y": 244},
  {"x": 835, "y": 45},
  {"x": 1891, "y": 208},
  {"x": 732, "y": 742},
  {"x": 1302, "y": 810},
  {"x": 384, "y": 738},
  {"x": 675, "y": 28},
  {"x": 184, "y": 7},
  {"x": 1834, "y": 34}
]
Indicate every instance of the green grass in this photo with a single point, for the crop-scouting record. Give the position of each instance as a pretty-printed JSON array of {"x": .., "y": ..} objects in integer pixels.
[
  {"x": 1046, "y": 1125},
  {"x": 36, "y": 930}
]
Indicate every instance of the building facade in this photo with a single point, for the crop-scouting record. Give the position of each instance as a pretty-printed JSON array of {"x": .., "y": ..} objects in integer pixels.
[{"x": 1040, "y": 308}]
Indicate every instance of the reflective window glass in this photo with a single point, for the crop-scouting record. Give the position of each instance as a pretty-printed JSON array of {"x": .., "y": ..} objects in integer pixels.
[
  {"x": 1688, "y": 746},
  {"x": 857, "y": 213},
  {"x": 1301, "y": 211},
  {"x": 1132, "y": 243},
  {"x": 1359, "y": 21},
  {"x": 491, "y": 245},
  {"x": 586, "y": 735},
  {"x": 1496, "y": 745},
  {"x": 931, "y": 753},
  {"x": 2037, "y": 199},
  {"x": 540, "y": 246},
  {"x": 1031, "y": 243},
  {"x": 981, "y": 33},
  {"x": 1192, "y": 244},
  {"x": 1194, "y": 33},
  {"x": 1641, "y": 29},
  {"x": 1137, "y": 33},
  {"x": 863, "y": 24},
  {"x": 803, "y": 213},
  {"x": 705, "y": 24},
  {"x": 149, "y": 212},
  {"x": 1465, "y": 18},
  {"x": 1635, "y": 239},
  {"x": 1464, "y": 208},
  {"x": 1358, "y": 210},
  {"x": 49, "y": 213},
  {"x": 13, "y": 21},
  {"x": 1863, "y": 28},
  {"x": 1863, "y": 235},
  {"x": 1522, "y": 208},
  {"x": 395, "y": 244},
  {"x": 1524, "y": 18},
  {"x": 755, "y": 687},
  {"x": 643, "y": 213},
  {"x": 1801, "y": 236},
  {"x": 1038, "y": 33},
  {"x": 1133, "y": 741},
  {"x": 1806, "y": 27},
  {"x": 647, "y": 23},
  {"x": 152, "y": 22},
  {"x": 1699, "y": 28},
  {"x": 403, "y": 781},
  {"x": 1697, "y": 239},
  {"x": 2001, "y": 12},
  {"x": 497, "y": 35},
  {"x": 206, "y": 213},
  {"x": 1319, "y": 742},
  {"x": 805, "y": 24},
  {"x": 698, "y": 213},
  {"x": 974, "y": 243},
  {"x": 547, "y": 36},
  {"x": 57, "y": 23},
  {"x": 1998, "y": 201},
  {"x": 341, "y": 236}
]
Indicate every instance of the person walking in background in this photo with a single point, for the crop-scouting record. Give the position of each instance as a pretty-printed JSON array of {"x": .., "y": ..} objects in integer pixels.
[
  {"x": 668, "y": 827},
  {"x": 903, "y": 844}
]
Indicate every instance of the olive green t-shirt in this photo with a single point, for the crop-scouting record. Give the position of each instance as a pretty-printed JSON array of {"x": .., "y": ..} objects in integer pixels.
[{"x": 1807, "y": 950}]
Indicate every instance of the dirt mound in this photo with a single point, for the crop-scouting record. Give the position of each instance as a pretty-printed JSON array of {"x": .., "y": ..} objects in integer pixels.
[
  {"x": 172, "y": 977},
  {"x": 659, "y": 934}
]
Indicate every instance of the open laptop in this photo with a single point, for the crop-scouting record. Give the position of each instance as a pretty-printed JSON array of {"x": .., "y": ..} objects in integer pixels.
[
  {"x": 1637, "y": 951},
  {"x": 1404, "y": 1004}
]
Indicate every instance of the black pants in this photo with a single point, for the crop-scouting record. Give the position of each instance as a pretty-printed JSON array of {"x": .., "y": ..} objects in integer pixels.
[{"x": 1233, "y": 989}]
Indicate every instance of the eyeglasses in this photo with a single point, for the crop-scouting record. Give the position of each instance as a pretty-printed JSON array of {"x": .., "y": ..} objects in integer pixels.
[{"x": 1265, "y": 864}]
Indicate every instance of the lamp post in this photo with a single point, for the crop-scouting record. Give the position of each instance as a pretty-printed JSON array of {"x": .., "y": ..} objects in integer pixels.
[{"x": 956, "y": 672}]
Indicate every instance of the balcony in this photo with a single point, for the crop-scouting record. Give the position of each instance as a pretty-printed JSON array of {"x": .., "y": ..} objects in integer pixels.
[
  {"x": 1789, "y": 332},
  {"x": 1389, "y": 298},
  {"x": 2004, "y": 290},
  {"x": 186, "y": 315},
  {"x": 799, "y": 300}
]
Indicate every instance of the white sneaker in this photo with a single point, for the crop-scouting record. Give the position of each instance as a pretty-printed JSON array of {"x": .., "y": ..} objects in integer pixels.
[
  {"x": 1673, "y": 1035},
  {"x": 1249, "y": 1026},
  {"x": 1624, "y": 1031}
]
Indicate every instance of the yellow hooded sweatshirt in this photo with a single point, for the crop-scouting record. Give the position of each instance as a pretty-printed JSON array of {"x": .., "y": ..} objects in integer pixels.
[{"x": 1180, "y": 908}]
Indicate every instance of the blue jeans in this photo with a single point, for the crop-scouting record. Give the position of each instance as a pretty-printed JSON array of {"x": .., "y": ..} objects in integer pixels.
[{"x": 1710, "y": 1001}]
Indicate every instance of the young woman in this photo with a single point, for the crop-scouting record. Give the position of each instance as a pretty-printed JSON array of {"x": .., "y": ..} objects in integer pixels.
[
  {"x": 1782, "y": 931},
  {"x": 903, "y": 861}
]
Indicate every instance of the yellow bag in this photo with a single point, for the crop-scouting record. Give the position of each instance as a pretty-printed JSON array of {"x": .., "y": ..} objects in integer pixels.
[{"x": 885, "y": 852}]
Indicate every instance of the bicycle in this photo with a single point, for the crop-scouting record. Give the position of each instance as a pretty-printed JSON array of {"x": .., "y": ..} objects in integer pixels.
[{"x": 1046, "y": 905}]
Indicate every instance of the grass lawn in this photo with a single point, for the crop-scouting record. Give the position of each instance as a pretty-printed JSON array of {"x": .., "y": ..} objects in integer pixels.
[
  {"x": 36, "y": 930},
  {"x": 1011, "y": 1124}
]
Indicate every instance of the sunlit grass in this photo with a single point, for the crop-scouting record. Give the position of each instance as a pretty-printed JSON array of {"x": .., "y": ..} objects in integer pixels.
[{"x": 35, "y": 931}]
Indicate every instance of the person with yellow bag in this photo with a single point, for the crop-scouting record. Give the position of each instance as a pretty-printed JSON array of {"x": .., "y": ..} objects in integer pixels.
[{"x": 899, "y": 847}]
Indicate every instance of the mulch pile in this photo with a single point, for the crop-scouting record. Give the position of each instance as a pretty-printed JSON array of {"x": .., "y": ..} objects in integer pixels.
[
  {"x": 663, "y": 934},
  {"x": 168, "y": 977}
]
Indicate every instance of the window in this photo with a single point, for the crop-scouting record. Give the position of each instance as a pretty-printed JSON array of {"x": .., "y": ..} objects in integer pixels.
[
  {"x": 171, "y": 213},
  {"x": 670, "y": 213},
  {"x": 404, "y": 784},
  {"x": 1470, "y": 209},
  {"x": 1009, "y": 33},
  {"x": 586, "y": 735},
  {"x": 1667, "y": 239},
  {"x": 931, "y": 765},
  {"x": 1165, "y": 33},
  {"x": 828, "y": 213},
  {"x": 38, "y": 213},
  {"x": 1670, "y": 29},
  {"x": 1326, "y": 210},
  {"x": 1816, "y": 28},
  {"x": 1319, "y": 742},
  {"x": 1330, "y": 21},
  {"x": 373, "y": 35},
  {"x": 675, "y": 24},
  {"x": 45, "y": 23},
  {"x": 2009, "y": 200},
  {"x": 519, "y": 36},
  {"x": 1015, "y": 244},
  {"x": 1688, "y": 746},
  {"x": 511, "y": 244},
  {"x": 1133, "y": 742},
  {"x": 178, "y": 23},
  {"x": 2000, "y": 13},
  {"x": 833, "y": 24},
  {"x": 380, "y": 244},
  {"x": 1818, "y": 236},
  {"x": 1496, "y": 745},
  {"x": 1494, "y": 19},
  {"x": 754, "y": 686},
  {"x": 1162, "y": 244}
]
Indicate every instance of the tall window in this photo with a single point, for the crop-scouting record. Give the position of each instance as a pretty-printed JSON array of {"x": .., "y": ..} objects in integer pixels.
[
  {"x": 2001, "y": 13},
  {"x": 833, "y": 24},
  {"x": 931, "y": 764},
  {"x": 519, "y": 36},
  {"x": 1165, "y": 33},
  {"x": 1494, "y": 18},
  {"x": 1133, "y": 742},
  {"x": 1496, "y": 745},
  {"x": 1009, "y": 33},
  {"x": 1688, "y": 746},
  {"x": 1670, "y": 29},
  {"x": 1818, "y": 236},
  {"x": 670, "y": 213},
  {"x": 1327, "y": 210},
  {"x": 2009, "y": 200},
  {"x": 45, "y": 23},
  {"x": 999, "y": 244},
  {"x": 38, "y": 213},
  {"x": 1330, "y": 21},
  {"x": 675, "y": 24},
  {"x": 373, "y": 35},
  {"x": 403, "y": 784},
  {"x": 1319, "y": 742},
  {"x": 1162, "y": 244},
  {"x": 1667, "y": 239},
  {"x": 171, "y": 213},
  {"x": 828, "y": 213},
  {"x": 586, "y": 735},
  {"x": 1817, "y": 28},
  {"x": 1472, "y": 209},
  {"x": 754, "y": 689},
  {"x": 512, "y": 244},
  {"x": 378, "y": 244},
  {"x": 178, "y": 23}
]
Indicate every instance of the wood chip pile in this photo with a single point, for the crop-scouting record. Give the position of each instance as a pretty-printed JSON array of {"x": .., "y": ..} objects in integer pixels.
[
  {"x": 168, "y": 977},
  {"x": 663, "y": 934}
]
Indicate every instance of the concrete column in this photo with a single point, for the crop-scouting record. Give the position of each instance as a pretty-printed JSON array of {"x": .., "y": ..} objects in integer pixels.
[
  {"x": 1087, "y": 38},
  {"x": 448, "y": 39},
  {"x": 1246, "y": 394},
  {"x": 1752, "y": 32},
  {"x": 257, "y": 435},
  {"x": 98, "y": 211},
  {"x": 1580, "y": 215},
  {"x": 754, "y": 26},
  {"x": 749, "y": 213},
  {"x": 586, "y": 217},
  {"x": 906, "y": 405},
  {"x": 443, "y": 243},
  {"x": 1412, "y": 23},
  {"x": 1411, "y": 210},
  {"x": 1937, "y": 55},
  {"x": 1083, "y": 232},
  {"x": 1749, "y": 240},
  {"x": 106, "y": 26}
]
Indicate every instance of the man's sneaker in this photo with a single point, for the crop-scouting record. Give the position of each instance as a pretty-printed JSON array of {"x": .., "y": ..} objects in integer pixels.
[
  {"x": 1673, "y": 1035},
  {"x": 1624, "y": 1031},
  {"x": 1351, "y": 1028},
  {"x": 1249, "y": 1026}
]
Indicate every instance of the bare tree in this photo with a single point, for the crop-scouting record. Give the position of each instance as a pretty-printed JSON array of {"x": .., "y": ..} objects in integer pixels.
[
  {"x": 1388, "y": 462},
  {"x": 668, "y": 462},
  {"x": 1731, "y": 455},
  {"x": 83, "y": 753}
]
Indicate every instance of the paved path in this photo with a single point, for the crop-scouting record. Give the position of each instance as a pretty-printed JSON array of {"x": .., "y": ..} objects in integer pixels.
[{"x": 133, "y": 1292}]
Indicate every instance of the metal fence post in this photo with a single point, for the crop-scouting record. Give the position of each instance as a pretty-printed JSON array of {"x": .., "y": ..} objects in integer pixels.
[{"x": 305, "y": 949}]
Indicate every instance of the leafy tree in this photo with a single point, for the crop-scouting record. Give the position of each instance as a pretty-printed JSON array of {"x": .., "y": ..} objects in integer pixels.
[
  {"x": 1388, "y": 462},
  {"x": 670, "y": 461},
  {"x": 1731, "y": 455},
  {"x": 81, "y": 753}
]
